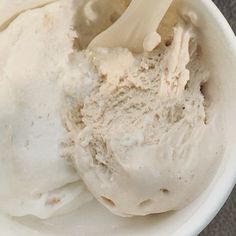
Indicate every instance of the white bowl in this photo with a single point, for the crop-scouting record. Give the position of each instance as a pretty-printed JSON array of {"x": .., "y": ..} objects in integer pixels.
[{"x": 219, "y": 44}]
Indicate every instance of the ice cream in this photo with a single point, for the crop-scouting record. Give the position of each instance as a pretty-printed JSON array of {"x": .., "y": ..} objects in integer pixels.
[
  {"x": 143, "y": 124},
  {"x": 34, "y": 178},
  {"x": 130, "y": 129}
]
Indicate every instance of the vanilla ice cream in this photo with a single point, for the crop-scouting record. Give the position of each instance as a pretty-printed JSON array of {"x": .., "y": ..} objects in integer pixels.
[
  {"x": 34, "y": 177},
  {"x": 143, "y": 126},
  {"x": 132, "y": 130}
]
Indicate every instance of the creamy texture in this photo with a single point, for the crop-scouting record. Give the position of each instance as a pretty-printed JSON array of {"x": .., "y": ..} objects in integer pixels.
[
  {"x": 134, "y": 126},
  {"x": 34, "y": 178},
  {"x": 142, "y": 125}
]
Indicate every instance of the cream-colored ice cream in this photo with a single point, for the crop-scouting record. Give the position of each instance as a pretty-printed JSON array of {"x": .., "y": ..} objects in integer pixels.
[
  {"x": 143, "y": 126},
  {"x": 34, "y": 178},
  {"x": 130, "y": 129}
]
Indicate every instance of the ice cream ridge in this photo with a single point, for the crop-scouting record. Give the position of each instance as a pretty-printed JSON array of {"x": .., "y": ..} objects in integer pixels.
[{"x": 129, "y": 129}]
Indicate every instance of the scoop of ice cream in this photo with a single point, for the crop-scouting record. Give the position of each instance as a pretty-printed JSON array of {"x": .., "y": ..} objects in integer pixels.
[
  {"x": 143, "y": 127},
  {"x": 34, "y": 177}
]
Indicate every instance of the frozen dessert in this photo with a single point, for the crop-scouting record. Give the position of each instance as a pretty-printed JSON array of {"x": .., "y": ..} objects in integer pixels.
[
  {"x": 133, "y": 130},
  {"x": 34, "y": 178},
  {"x": 142, "y": 126}
]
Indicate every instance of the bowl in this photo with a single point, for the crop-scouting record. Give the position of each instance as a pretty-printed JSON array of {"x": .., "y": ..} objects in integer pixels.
[{"x": 219, "y": 45}]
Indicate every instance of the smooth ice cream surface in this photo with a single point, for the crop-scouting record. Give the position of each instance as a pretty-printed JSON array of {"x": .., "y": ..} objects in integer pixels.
[
  {"x": 135, "y": 131},
  {"x": 34, "y": 178}
]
